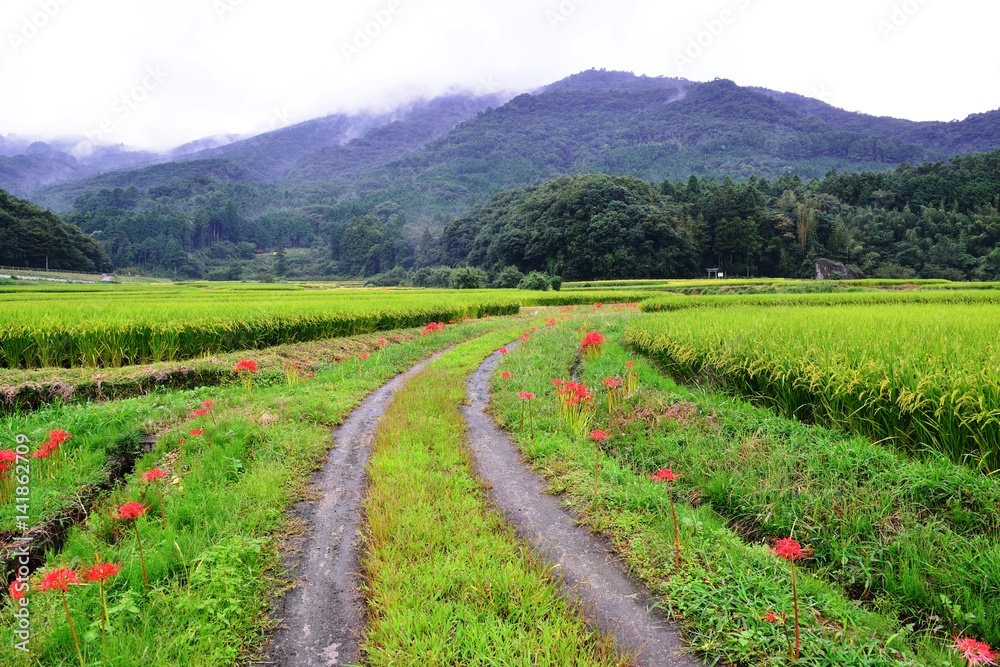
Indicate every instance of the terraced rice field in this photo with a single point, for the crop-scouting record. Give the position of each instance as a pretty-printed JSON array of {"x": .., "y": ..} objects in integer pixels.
[{"x": 698, "y": 449}]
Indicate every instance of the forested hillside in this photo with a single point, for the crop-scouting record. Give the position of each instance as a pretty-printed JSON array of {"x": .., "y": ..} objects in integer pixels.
[
  {"x": 379, "y": 201},
  {"x": 30, "y": 236}
]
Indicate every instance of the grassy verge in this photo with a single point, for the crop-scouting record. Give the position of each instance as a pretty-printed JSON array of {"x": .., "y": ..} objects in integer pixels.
[
  {"x": 214, "y": 566},
  {"x": 447, "y": 581},
  {"x": 727, "y": 581}
]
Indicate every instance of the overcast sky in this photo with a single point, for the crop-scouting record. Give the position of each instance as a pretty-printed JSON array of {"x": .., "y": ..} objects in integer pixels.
[{"x": 158, "y": 73}]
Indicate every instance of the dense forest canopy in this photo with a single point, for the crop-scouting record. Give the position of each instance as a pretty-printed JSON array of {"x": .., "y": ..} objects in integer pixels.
[
  {"x": 31, "y": 236},
  {"x": 935, "y": 220}
]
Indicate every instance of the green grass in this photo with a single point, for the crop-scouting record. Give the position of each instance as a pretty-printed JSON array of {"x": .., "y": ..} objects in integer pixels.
[
  {"x": 926, "y": 376},
  {"x": 214, "y": 568},
  {"x": 446, "y": 579},
  {"x": 907, "y": 531}
]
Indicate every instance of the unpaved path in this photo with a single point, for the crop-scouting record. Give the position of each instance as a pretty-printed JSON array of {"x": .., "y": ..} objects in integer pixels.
[
  {"x": 323, "y": 616},
  {"x": 589, "y": 570}
]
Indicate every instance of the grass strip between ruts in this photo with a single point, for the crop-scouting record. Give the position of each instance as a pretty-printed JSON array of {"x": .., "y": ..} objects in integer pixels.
[
  {"x": 447, "y": 580},
  {"x": 724, "y": 587}
]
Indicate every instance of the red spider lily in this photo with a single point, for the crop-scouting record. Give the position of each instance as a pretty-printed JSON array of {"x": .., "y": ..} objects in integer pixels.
[
  {"x": 526, "y": 398},
  {"x": 525, "y": 336},
  {"x": 8, "y": 457},
  {"x": 197, "y": 431},
  {"x": 667, "y": 475},
  {"x": 597, "y": 306},
  {"x": 434, "y": 326},
  {"x": 363, "y": 356},
  {"x": 597, "y": 435},
  {"x": 769, "y": 617},
  {"x": 152, "y": 476},
  {"x": 245, "y": 368},
  {"x": 200, "y": 412},
  {"x": 102, "y": 573},
  {"x": 629, "y": 364},
  {"x": 60, "y": 580},
  {"x": 503, "y": 350},
  {"x": 59, "y": 436},
  {"x": 790, "y": 550},
  {"x": 381, "y": 342},
  {"x": 614, "y": 395},
  {"x": 551, "y": 322},
  {"x": 975, "y": 651},
  {"x": 534, "y": 329},
  {"x": 591, "y": 345},
  {"x": 17, "y": 589},
  {"x": 339, "y": 358},
  {"x": 130, "y": 512},
  {"x": 506, "y": 375},
  {"x": 576, "y": 404},
  {"x": 207, "y": 404}
]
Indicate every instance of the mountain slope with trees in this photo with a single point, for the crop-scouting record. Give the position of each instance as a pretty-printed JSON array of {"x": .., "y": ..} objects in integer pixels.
[{"x": 33, "y": 237}]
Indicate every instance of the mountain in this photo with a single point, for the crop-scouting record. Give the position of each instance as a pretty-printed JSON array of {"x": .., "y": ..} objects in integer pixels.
[
  {"x": 426, "y": 162},
  {"x": 31, "y": 236}
]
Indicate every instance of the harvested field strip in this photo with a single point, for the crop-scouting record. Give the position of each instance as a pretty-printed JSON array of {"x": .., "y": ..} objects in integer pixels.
[
  {"x": 727, "y": 582},
  {"x": 447, "y": 581}
]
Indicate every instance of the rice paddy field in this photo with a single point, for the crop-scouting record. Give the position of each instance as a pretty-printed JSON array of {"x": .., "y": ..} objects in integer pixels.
[{"x": 147, "y": 519}]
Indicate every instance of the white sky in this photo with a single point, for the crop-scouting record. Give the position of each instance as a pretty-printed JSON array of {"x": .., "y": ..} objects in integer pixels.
[{"x": 246, "y": 66}]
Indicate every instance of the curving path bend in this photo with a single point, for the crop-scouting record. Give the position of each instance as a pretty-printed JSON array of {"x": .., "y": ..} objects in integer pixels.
[{"x": 589, "y": 571}]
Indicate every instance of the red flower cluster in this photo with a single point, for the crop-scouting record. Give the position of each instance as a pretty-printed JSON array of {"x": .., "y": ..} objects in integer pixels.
[
  {"x": 597, "y": 435},
  {"x": 591, "y": 345},
  {"x": 551, "y": 322},
  {"x": 665, "y": 475},
  {"x": 789, "y": 549},
  {"x": 611, "y": 383},
  {"x": 363, "y": 356},
  {"x": 197, "y": 431},
  {"x": 339, "y": 358},
  {"x": 525, "y": 395},
  {"x": 248, "y": 365},
  {"x": 503, "y": 350},
  {"x": 975, "y": 651},
  {"x": 207, "y": 404},
  {"x": 56, "y": 438},
  {"x": 381, "y": 342},
  {"x": 17, "y": 589},
  {"x": 200, "y": 412},
  {"x": 101, "y": 572},
  {"x": 506, "y": 375},
  {"x": 153, "y": 474},
  {"x": 131, "y": 511},
  {"x": 525, "y": 336},
  {"x": 572, "y": 394},
  {"x": 434, "y": 326},
  {"x": 7, "y": 459},
  {"x": 59, "y": 579}
]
